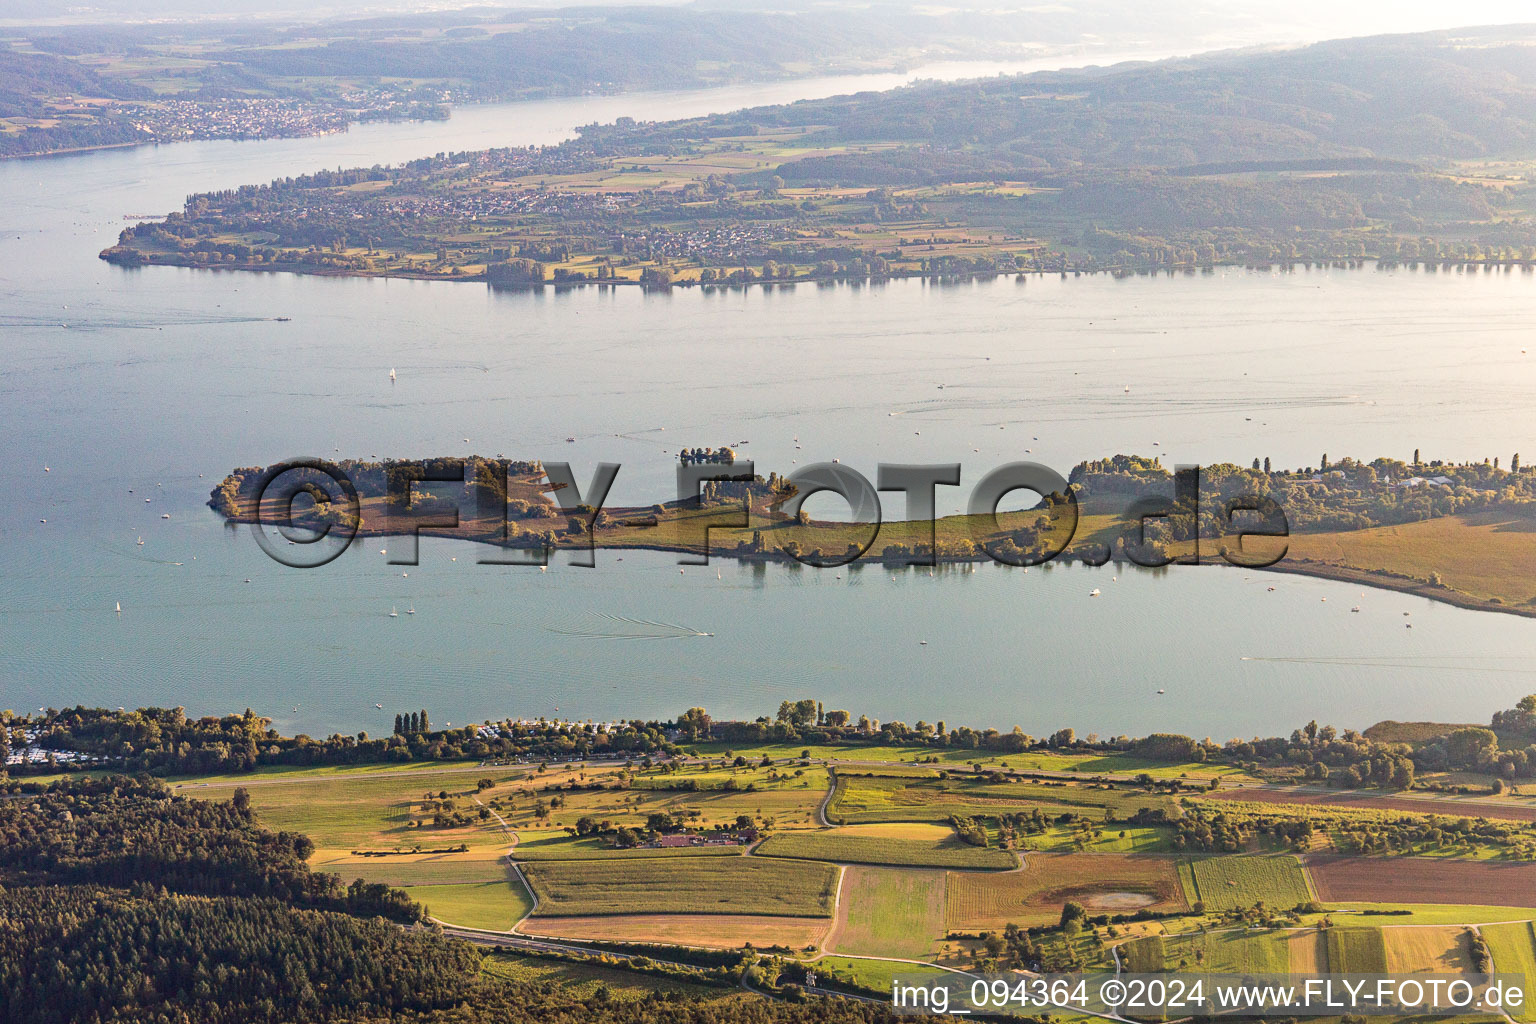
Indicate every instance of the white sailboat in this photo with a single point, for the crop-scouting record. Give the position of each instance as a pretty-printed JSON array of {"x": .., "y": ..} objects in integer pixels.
[
  {"x": 392, "y": 613},
  {"x": 411, "y": 610},
  {"x": 141, "y": 542},
  {"x": 391, "y": 373},
  {"x": 119, "y": 608}
]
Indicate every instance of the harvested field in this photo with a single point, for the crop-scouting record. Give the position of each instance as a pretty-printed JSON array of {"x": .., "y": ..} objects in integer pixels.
[
  {"x": 1461, "y": 807},
  {"x": 1308, "y": 951},
  {"x": 1423, "y": 880},
  {"x": 1427, "y": 950},
  {"x": 852, "y": 845},
  {"x": 1104, "y": 883},
  {"x": 688, "y": 885},
  {"x": 716, "y": 931},
  {"x": 1239, "y": 882}
]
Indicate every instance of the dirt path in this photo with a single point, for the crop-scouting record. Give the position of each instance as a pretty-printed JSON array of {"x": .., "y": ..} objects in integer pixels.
[
  {"x": 517, "y": 869},
  {"x": 839, "y": 915},
  {"x": 826, "y": 801}
]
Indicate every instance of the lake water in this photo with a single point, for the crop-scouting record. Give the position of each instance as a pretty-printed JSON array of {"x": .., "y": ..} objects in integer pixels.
[{"x": 158, "y": 381}]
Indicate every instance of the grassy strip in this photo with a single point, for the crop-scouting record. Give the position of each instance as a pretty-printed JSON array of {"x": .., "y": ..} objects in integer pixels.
[
  {"x": 917, "y": 853},
  {"x": 493, "y": 906}
]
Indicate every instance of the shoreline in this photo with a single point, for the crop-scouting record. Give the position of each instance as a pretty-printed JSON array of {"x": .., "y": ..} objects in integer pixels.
[{"x": 1376, "y": 579}]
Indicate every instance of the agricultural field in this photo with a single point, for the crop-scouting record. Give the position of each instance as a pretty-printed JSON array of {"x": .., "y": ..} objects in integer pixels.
[
  {"x": 1423, "y": 880},
  {"x": 1396, "y": 914},
  {"x": 1356, "y": 951},
  {"x": 869, "y": 974},
  {"x": 482, "y": 864},
  {"x": 691, "y": 885},
  {"x": 1027, "y": 761},
  {"x": 1505, "y": 807},
  {"x": 889, "y": 912},
  {"x": 1485, "y": 555},
  {"x": 1513, "y": 948},
  {"x": 791, "y": 802},
  {"x": 564, "y": 846},
  {"x": 1233, "y": 951},
  {"x": 1427, "y": 950},
  {"x": 865, "y": 798},
  {"x": 1236, "y": 883},
  {"x": 713, "y": 931},
  {"x": 367, "y": 810},
  {"x": 493, "y": 906},
  {"x": 855, "y": 845},
  {"x": 1308, "y": 950},
  {"x": 1104, "y": 839},
  {"x": 1102, "y": 883}
]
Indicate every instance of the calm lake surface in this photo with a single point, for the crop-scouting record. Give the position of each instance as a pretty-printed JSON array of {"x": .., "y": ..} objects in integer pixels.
[{"x": 154, "y": 383}]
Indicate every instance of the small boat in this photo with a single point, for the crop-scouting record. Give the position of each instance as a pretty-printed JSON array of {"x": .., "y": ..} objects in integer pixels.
[
  {"x": 119, "y": 608},
  {"x": 570, "y": 440},
  {"x": 47, "y": 470},
  {"x": 1355, "y": 608},
  {"x": 379, "y": 706},
  {"x": 1408, "y": 625},
  {"x": 165, "y": 515},
  {"x": 392, "y": 613},
  {"x": 1094, "y": 592},
  {"x": 391, "y": 373},
  {"x": 141, "y": 542},
  {"x": 247, "y": 579},
  {"x": 284, "y": 319},
  {"x": 1161, "y": 692},
  {"x": 922, "y": 643},
  {"x": 411, "y": 610},
  {"x": 1271, "y": 589}
]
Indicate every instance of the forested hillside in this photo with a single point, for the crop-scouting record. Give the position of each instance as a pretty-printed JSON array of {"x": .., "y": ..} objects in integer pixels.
[{"x": 1419, "y": 98}]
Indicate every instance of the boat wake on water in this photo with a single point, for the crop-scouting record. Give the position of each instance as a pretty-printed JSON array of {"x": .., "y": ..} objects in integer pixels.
[{"x": 638, "y": 629}]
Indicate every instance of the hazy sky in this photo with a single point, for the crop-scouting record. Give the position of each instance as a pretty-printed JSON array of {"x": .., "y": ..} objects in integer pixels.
[{"x": 1197, "y": 23}]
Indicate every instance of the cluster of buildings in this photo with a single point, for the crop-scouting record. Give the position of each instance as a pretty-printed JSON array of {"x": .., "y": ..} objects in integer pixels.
[
  {"x": 721, "y": 246},
  {"x": 683, "y": 840},
  {"x": 28, "y": 752},
  {"x": 484, "y": 204},
  {"x": 265, "y": 118}
]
